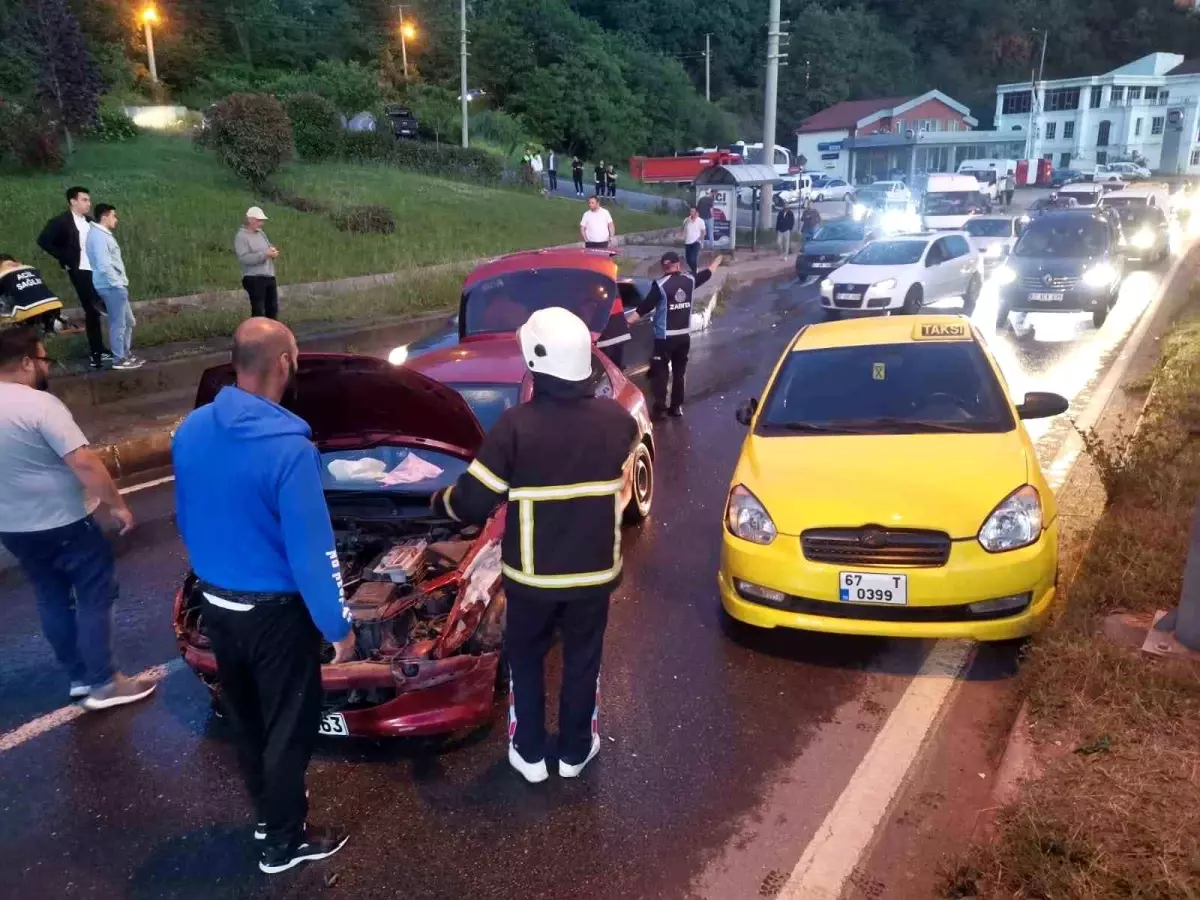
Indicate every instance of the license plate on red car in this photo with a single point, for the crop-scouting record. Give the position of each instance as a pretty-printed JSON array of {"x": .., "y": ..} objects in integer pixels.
[{"x": 333, "y": 725}]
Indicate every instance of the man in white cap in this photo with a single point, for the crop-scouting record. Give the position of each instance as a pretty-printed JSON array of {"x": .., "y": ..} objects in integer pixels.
[
  {"x": 256, "y": 255},
  {"x": 559, "y": 462}
]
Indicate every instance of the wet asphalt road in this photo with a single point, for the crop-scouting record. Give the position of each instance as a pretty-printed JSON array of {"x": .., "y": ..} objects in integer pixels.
[{"x": 722, "y": 752}]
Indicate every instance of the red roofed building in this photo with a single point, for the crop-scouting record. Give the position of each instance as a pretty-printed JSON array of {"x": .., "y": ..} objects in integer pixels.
[{"x": 820, "y": 137}]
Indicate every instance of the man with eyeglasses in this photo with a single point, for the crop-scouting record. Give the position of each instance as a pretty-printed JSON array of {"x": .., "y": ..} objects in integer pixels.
[{"x": 52, "y": 483}]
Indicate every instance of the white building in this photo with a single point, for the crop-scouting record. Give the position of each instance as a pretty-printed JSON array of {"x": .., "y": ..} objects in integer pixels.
[{"x": 1149, "y": 109}]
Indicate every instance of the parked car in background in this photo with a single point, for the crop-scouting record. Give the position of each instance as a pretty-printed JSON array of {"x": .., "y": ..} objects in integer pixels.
[
  {"x": 833, "y": 189},
  {"x": 402, "y": 121},
  {"x": 1126, "y": 171},
  {"x": 1065, "y": 176},
  {"x": 791, "y": 191},
  {"x": 833, "y": 244}
]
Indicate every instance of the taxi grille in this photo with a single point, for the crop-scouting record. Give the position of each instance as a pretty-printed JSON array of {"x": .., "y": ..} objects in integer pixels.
[
  {"x": 896, "y": 548},
  {"x": 1049, "y": 283}
]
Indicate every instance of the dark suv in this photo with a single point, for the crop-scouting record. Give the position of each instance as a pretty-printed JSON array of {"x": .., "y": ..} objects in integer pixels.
[{"x": 1068, "y": 261}]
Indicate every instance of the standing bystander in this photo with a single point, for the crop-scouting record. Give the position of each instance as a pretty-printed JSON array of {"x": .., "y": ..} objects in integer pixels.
[
  {"x": 248, "y": 476},
  {"x": 552, "y": 170},
  {"x": 601, "y": 174},
  {"x": 577, "y": 175},
  {"x": 112, "y": 284},
  {"x": 65, "y": 238},
  {"x": 52, "y": 483},
  {"x": 256, "y": 255},
  {"x": 597, "y": 227},
  {"x": 610, "y": 178},
  {"x": 785, "y": 224},
  {"x": 693, "y": 237},
  {"x": 704, "y": 207},
  {"x": 1010, "y": 186}
]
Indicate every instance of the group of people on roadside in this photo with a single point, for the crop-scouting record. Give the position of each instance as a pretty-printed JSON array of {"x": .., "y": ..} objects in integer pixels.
[{"x": 785, "y": 224}]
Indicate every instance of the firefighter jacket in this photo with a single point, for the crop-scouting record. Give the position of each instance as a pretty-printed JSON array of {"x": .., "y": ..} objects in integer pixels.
[
  {"x": 560, "y": 464},
  {"x": 670, "y": 297}
]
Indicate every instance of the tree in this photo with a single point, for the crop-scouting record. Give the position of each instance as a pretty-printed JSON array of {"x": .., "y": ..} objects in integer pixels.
[
  {"x": 69, "y": 80},
  {"x": 251, "y": 135}
]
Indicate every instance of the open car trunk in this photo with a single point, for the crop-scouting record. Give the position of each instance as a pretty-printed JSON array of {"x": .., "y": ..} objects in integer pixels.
[{"x": 424, "y": 593}]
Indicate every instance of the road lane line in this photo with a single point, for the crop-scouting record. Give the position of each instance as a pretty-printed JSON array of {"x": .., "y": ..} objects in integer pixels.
[
  {"x": 47, "y": 723},
  {"x": 845, "y": 835},
  {"x": 134, "y": 488}
]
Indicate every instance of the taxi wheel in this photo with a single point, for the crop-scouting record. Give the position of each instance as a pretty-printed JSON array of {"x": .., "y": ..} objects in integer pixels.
[
  {"x": 972, "y": 295},
  {"x": 638, "y": 509},
  {"x": 912, "y": 301}
]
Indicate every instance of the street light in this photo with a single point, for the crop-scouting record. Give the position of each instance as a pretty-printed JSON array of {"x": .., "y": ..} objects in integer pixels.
[
  {"x": 408, "y": 32},
  {"x": 150, "y": 16}
]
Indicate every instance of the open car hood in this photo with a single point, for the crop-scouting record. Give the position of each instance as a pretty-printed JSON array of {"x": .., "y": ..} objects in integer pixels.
[{"x": 346, "y": 398}]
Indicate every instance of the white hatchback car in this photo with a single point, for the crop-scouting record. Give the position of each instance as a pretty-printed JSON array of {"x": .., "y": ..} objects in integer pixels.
[
  {"x": 833, "y": 189},
  {"x": 904, "y": 273}
]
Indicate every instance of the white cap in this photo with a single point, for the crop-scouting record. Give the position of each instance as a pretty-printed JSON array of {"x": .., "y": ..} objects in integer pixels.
[
  {"x": 557, "y": 342},
  {"x": 255, "y": 212}
]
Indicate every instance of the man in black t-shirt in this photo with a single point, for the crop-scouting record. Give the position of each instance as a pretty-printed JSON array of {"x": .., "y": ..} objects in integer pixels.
[
  {"x": 601, "y": 179},
  {"x": 24, "y": 296},
  {"x": 577, "y": 175}
]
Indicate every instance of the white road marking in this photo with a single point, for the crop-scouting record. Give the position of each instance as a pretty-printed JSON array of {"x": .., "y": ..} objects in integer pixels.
[
  {"x": 50, "y": 721},
  {"x": 134, "y": 488},
  {"x": 843, "y": 838}
]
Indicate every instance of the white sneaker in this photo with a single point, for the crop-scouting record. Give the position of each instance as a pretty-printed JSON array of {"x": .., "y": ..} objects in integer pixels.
[
  {"x": 128, "y": 363},
  {"x": 534, "y": 773},
  {"x": 566, "y": 770}
]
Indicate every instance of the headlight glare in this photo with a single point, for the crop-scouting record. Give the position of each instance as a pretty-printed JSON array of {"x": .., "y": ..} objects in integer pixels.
[
  {"x": 1144, "y": 239},
  {"x": 1016, "y": 522},
  {"x": 747, "y": 518},
  {"x": 1100, "y": 275},
  {"x": 1004, "y": 275},
  {"x": 399, "y": 356}
]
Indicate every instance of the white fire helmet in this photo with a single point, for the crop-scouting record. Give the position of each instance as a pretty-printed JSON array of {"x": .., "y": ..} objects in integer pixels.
[{"x": 557, "y": 342}]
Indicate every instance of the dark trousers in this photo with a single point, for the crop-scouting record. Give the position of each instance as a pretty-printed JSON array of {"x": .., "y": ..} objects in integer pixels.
[
  {"x": 612, "y": 188},
  {"x": 91, "y": 303},
  {"x": 553, "y": 176},
  {"x": 264, "y": 295},
  {"x": 669, "y": 362},
  {"x": 528, "y": 635},
  {"x": 75, "y": 581},
  {"x": 600, "y": 190},
  {"x": 578, "y": 176},
  {"x": 691, "y": 255},
  {"x": 268, "y": 661},
  {"x": 1008, "y": 198}
]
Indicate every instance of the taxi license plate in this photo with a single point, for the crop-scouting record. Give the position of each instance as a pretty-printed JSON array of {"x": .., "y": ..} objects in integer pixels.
[
  {"x": 1046, "y": 298},
  {"x": 844, "y": 296},
  {"x": 333, "y": 725},
  {"x": 872, "y": 587}
]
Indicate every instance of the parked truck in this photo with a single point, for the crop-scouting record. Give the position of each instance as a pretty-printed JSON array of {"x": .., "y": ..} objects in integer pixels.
[{"x": 678, "y": 169}]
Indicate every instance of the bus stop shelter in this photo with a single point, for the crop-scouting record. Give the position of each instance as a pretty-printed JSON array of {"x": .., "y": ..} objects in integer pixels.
[{"x": 721, "y": 184}]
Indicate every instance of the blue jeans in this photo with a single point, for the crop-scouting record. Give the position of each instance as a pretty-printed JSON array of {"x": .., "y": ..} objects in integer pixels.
[
  {"x": 74, "y": 579},
  {"x": 708, "y": 231},
  {"x": 120, "y": 319}
]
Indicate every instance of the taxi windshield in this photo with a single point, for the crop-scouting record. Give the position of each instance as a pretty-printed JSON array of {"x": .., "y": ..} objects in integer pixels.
[
  {"x": 920, "y": 387},
  {"x": 889, "y": 253}
]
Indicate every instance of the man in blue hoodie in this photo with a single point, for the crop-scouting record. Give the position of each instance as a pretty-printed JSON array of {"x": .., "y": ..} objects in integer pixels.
[{"x": 253, "y": 517}]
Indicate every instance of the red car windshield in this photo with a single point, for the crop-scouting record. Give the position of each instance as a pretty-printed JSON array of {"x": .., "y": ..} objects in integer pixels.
[{"x": 502, "y": 304}]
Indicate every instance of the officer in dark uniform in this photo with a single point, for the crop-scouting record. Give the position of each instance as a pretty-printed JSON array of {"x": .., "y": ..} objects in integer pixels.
[
  {"x": 670, "y": 299},
  {"x": 560, "y": 463}
]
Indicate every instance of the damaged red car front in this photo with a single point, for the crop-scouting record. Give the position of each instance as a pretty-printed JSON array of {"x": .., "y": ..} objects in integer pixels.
[{"x": 424, "y": 592}]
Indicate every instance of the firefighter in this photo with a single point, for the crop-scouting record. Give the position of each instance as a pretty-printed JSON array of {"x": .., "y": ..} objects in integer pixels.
[
  {"x": 670, "y": 299},
  {"x": 560, "y": 463}
]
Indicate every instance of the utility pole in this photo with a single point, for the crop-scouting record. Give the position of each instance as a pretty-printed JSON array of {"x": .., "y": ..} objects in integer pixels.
[
  {"x": 707, "y": 66},
  {"x": 403, "y": 41},
  {"x": 1030, "y": 141},
  {"x": 462, "y": 66},
  {"x": 150, "y": 16},
  {"x": 770, "y": 98}
]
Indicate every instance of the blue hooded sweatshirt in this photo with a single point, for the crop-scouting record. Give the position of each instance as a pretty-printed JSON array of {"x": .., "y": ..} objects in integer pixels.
[{"x": 250, "y": 506}]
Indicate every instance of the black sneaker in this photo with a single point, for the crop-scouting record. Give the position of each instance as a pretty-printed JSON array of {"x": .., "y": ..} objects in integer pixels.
[
  {"x": 99, "y": 362},
  {"x": 318, "y": 843},
  {"x": 675, "y": 412},
  {"x": 107, "y": 357}
]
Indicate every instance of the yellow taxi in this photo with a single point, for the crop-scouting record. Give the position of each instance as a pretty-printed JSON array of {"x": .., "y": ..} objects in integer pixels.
[{"x": 887, "y": 487}]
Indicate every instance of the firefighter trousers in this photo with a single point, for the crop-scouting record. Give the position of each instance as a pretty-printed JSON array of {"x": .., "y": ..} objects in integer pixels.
[{"x": 528, "y": 636}]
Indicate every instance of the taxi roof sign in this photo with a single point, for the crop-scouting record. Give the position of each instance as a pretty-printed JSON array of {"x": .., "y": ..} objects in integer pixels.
[{"x": 942, "y": 331}]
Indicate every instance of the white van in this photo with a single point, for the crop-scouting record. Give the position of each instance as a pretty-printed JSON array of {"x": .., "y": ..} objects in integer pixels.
[
  {"x": 950, "y": 200},
  {"x": 989, "y": 173},
  {"x": 1139, "y": 195}
]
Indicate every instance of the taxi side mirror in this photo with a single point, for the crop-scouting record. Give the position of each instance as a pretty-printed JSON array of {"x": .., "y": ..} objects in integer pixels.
[
  {"x": 745, "y": 412},
  {"x": 1042, "y": 405}
]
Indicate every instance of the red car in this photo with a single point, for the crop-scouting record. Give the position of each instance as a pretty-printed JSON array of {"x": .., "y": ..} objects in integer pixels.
[{"x": 428, "y": 646}]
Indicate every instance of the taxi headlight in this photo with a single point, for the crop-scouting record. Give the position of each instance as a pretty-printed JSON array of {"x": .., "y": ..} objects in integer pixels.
[
  {"x": 1015, "y": 523},
  {"x": 399, "y": 356},
  {"x": 1098, "y": 276},
  {"x": 748, "y": 519},
  {"x": 886, "y": 285},
  {"x": 1144, "y": 239},
  {"x": 1004, "y": 275}
]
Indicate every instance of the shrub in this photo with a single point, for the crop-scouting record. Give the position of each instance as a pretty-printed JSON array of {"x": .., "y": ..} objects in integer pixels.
[
  {"x": 316, "y": 125},
  {"x": 460, "y": 162},
  {"x": 367, "y": 146},
  {"x": 296, "y": 201},
  {"x": 369, "y": 219},
  {"x": 113, "y": 126},
  {"x": 251, "y": 135},
  {"x": 27, "y": 142}
]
